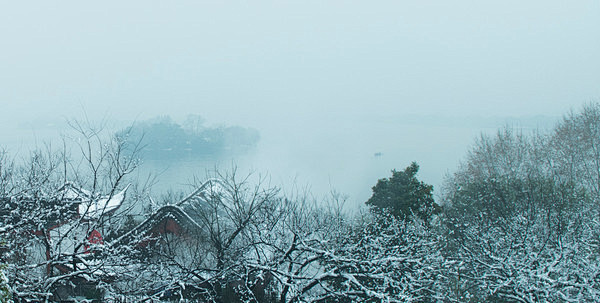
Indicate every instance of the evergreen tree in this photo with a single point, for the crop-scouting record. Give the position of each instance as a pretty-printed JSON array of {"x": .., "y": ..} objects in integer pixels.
[{"x": 403, "y": 195}]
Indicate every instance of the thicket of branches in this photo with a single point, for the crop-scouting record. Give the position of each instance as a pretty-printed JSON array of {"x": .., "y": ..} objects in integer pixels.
[
  {"x": 40, "y": 231},
  {"x": 518, "y": 221},
  {"x": 522, "y": 215}
]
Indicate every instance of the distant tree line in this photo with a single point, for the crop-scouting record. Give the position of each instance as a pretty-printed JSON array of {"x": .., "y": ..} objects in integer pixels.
[{"x": 162, "y": 137}]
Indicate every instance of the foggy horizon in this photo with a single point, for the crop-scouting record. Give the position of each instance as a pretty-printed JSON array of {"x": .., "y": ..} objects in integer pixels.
[
  {"x": 329, "y": 163},
  {"x": 327, "y": 85}
]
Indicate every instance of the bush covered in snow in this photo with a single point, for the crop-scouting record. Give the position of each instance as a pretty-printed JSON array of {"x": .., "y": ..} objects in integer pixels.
[{"x": 518, "y": 222}]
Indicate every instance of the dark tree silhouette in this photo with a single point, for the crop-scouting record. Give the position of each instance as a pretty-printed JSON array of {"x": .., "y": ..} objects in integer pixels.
[{"x": 403, "y": 195}]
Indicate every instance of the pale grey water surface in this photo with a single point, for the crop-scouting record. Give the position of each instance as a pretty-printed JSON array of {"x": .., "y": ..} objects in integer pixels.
[
  {"x": 347, "y": 156},
  {"x": 343, "y": 154}
]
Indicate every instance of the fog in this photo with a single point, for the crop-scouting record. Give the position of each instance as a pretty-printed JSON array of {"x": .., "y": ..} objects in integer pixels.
[{"x": 328, "y": 84}]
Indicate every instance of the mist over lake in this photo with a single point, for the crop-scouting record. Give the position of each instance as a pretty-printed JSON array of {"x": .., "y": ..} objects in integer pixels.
[
  {"x": 340, "y": 94},
  {"x": 348, "y": 155},
  {"x": 320, "y": 154}
]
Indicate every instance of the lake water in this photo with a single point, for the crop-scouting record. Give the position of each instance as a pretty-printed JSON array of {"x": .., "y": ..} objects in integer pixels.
[
  {"x": 345, "y": 155},
  {"x": 347, "y": 159}
]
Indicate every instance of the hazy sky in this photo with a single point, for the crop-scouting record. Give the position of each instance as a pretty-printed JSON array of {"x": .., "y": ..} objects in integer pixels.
[
  {"x": 248, "y": 61},
  {"x": 297, "y": 70}
]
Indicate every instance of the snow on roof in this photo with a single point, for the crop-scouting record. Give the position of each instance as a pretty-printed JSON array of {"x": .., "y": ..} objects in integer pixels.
[
  {"x": 209, "y": 189},
  {"x": 167, "y": 211},
  {"x": 71, "y": 191},
  {"x": 96, "y": 208}
]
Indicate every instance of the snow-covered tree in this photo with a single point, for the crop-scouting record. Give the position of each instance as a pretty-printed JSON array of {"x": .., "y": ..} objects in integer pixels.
[
  {"x": 51, "y": 226},
  {"x": 521, "y": 216},
  {"x": 5, "y": 290}
]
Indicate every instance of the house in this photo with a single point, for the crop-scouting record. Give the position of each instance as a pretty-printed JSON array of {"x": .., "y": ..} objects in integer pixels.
[
  {"x": 179, "y": 218},
  {"x": 61, "y": 221},
  {"x": 177, "y": 237}
]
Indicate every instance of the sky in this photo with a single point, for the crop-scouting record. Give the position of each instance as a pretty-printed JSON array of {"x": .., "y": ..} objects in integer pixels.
[{"x": 293, "y": 67}]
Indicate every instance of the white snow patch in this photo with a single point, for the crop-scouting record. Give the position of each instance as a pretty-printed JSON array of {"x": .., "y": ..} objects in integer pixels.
[{"x": 94, "y": 209}]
